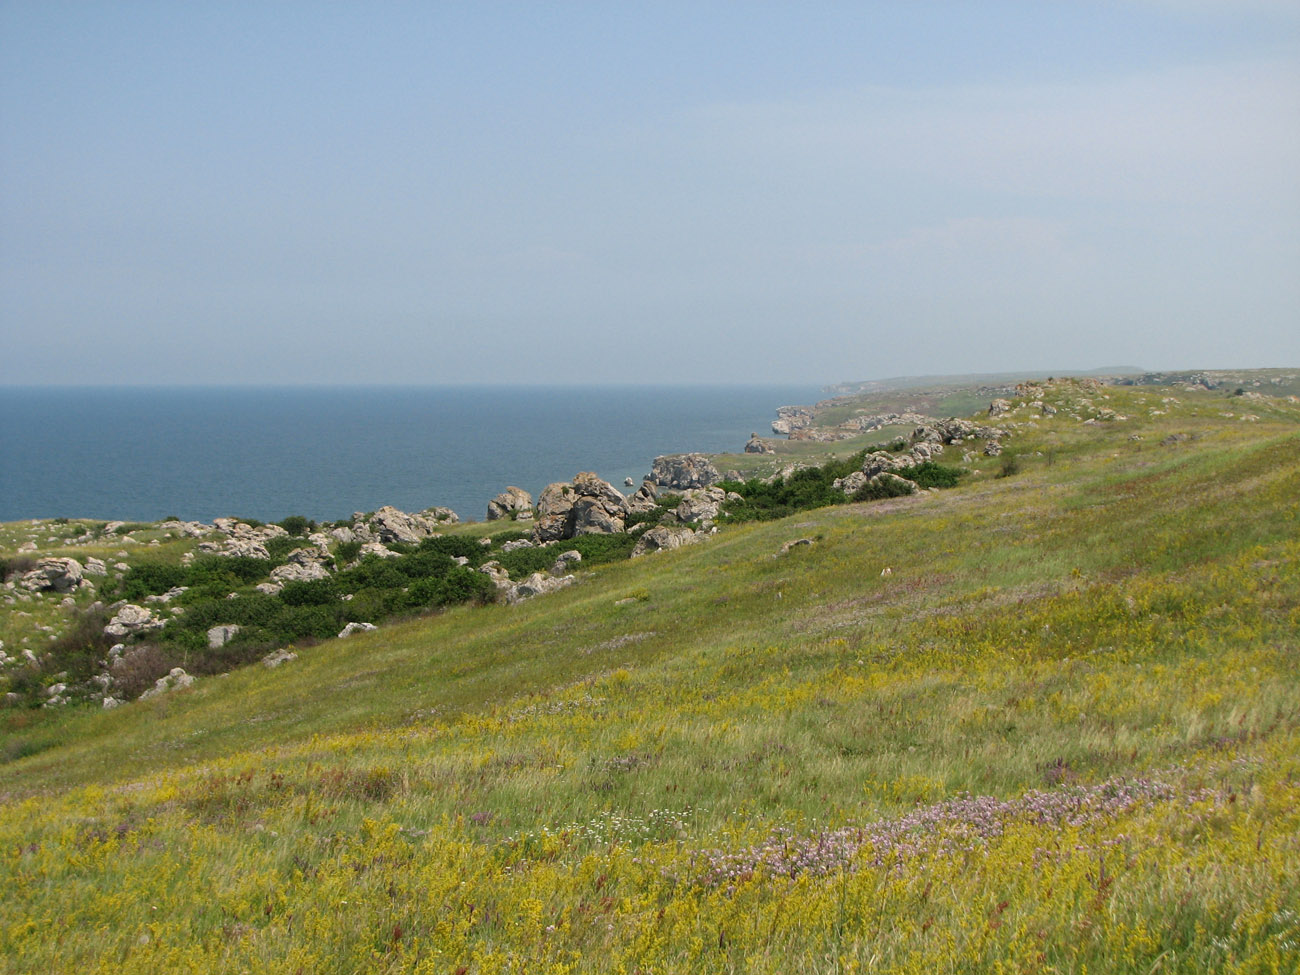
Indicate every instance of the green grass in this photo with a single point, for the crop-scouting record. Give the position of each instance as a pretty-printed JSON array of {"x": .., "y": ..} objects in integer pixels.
[{"x": 553, "y": 784}]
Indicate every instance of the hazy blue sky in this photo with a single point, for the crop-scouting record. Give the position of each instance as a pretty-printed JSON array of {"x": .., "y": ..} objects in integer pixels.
[{"x": 644, "y": 192}]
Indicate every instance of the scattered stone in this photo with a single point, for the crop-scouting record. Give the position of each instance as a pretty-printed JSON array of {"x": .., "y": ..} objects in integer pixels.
[
  {"x": 95, "y": 567},
  {"x": 269, "y": 588},
  {"x": 356, "y": 628},
  {"x": 177, "y": 679},
  {"x": 796, "y": 543},
  {"x": 277, "y": 657},
  {"x": 518, "y": 543}
]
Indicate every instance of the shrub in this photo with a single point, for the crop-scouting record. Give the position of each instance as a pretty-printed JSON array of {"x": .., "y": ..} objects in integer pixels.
[
  {"x": 80, "y": 648},
  {"x": 460, "y": 585},
  {"x": 148, "y": 578},
  {"x": 138, "y": 668},
  {"x": 596, "y": 549},
  {"x": 317, "y": 592},
  {"x": 347, "y": 551},
  {"x": 15, "y": 565},
  {"x": 930, "y": 475},
  {"x": 280, "y": 546},
  {"x": 297, "y": 525},
  {"x": 1010, "y": 466},
  {"x": 456, "y": 546},
  {"x": 525, "y": 561}
]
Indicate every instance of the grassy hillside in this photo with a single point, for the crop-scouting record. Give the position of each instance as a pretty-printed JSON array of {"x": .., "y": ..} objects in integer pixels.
[{"x": 1040, "y": 722}]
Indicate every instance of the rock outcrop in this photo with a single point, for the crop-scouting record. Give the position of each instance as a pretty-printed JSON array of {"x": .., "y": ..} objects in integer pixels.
[
  {"x": 757, "y": 445},
  {"x": 303, "y": 565},
  {"x": 791, "y": 418},
  {"x": 684, "y": 471},
  {"x": 587, "y": 506},
  {"x": 513, "y": 503}
]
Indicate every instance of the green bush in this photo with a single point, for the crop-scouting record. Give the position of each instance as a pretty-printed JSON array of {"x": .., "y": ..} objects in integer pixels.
[
  {"x": 596, "y": 549},
  {"x": 149, "y": 578},
  {"x": 525, "y": 561},
  {"x": 347, "y": 551},
  {"x": 317, "y": 592},
  {"x": 297, "y": 525}
]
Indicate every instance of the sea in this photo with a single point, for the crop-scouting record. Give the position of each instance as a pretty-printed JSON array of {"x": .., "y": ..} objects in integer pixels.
[{"x": 145, "y": 453}]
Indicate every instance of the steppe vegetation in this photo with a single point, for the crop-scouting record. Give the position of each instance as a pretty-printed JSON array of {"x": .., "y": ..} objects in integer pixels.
[{"x": 1043, "y": 722}]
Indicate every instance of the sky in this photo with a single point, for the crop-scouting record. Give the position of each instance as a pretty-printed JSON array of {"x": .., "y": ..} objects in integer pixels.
[{"x": 661, "y": 192}]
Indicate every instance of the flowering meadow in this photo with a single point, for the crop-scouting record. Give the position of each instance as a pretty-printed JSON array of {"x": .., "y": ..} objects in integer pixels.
[{"x": 1060, "y": 734}]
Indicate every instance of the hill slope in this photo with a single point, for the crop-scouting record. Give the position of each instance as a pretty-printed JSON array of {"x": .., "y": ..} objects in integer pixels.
[{"x": 1046, "y": 721}]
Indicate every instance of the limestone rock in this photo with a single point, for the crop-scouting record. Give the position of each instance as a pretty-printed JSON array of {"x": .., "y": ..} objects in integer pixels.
[
  {"x": 277, "y": 657},
  {"x": 356, "y": 628},
  {"x": 756, "y": 445},
  {"x": 998, "y": 407},
  {"x": 131, "y": 619},
  {"x": 663, "y": 537},
  {"x": 303, "y": 565},
  {"x": 177, "y": 679},
  {"x": 586, "y": 506},
  {"x": 700, "y": 505},
  {"x": 514, "y": 503},
  {"x": 683, "y": 471},
  {"x": 53, "y": 574},
  {"x": 795, "y": 543},
  {"x": 497, "y": 573},
  {"x": 219, "y": 636},
  {"x": 537, "y": 584},
  {"x": 645, "y": 499},
  {"x": 790, "y": 419}
]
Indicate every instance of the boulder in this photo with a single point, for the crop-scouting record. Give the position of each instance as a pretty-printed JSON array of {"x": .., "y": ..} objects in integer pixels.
[
  {"x": 303, "y": 565},
  {"x": 356, "y": 628},
  {"x": 755, "y": 445},
  {"x": 645, "y": 499},
  {"x": 795, "y": 543},
  {"x": 177, "y": 679},
  {"x": 131, "y": 619},
  {"x": 513, "y": 503},
  {"x": 95, "y": 567},
  {"x": 664, "y": 537},
  {"x": 391, "y": 525},
  {"x": 699, "y": 506},
  {"x": 998, "y": 407},
  {"x": 497, "y": 573},
  {"x": 219, "y": 636},
  {"x": 277, "y": 657},
  {"x": 683, "y": 471},
  {"x": 587, "y": 506},
  {"x": 53, "y": 574},
  {"x": 537, "y": 584}
]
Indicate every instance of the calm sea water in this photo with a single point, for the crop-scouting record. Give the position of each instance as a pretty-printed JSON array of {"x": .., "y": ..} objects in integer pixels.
[{"x": 140, "y": 454}]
